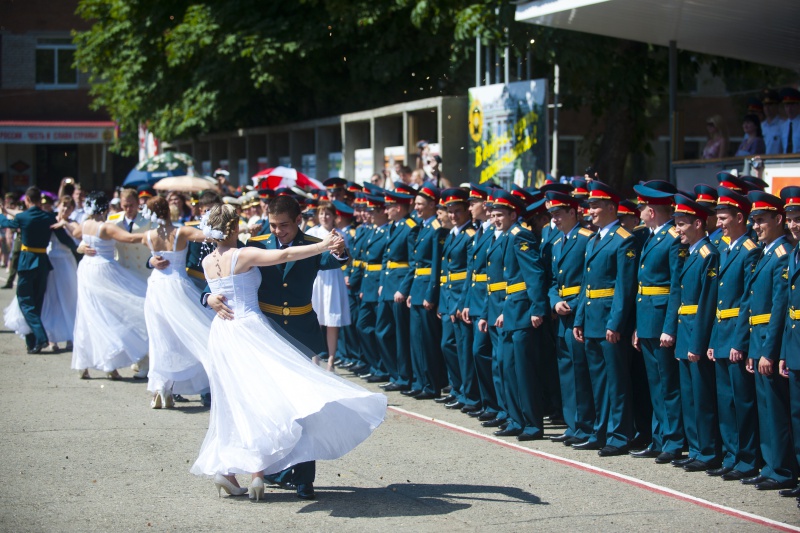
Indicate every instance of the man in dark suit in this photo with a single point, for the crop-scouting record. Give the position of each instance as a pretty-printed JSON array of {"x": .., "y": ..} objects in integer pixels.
[
  {"x": 285, "y": 296},
  {"x": 34, "y": 228}
]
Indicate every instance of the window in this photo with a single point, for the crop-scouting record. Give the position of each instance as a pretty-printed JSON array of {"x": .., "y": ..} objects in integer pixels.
[{"x": 54, "y": 64}]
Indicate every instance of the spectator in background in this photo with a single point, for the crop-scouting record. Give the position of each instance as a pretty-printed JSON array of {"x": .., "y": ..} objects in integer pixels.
[
  {"x": 433, "y": 170},
  {"x": 717, "y": 145},
  {"x": 179, "y": 211},
  {"x": 221, "y": 175},
  {"x": 114, "y": 206},
  {"x": 790, "y": 130},
  {"x": 419, "y": 179},
  {"x": 753, "y": 143},
  {"x": 378, "y": 180},
  {"x": 423, "y": 151},
  {"x": 771, "y": 126},
  {"x": 405, "y": 176}
]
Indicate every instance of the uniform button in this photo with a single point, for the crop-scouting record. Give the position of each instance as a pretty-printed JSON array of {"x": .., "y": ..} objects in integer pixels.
[
  {"x": 588, "y": 303},
  {"x": 640, "y": 299},
  {"x": 589, "y": 269},
  {"x": 720, "y": 284},
  {"x": 588, "y": 286},
  {"x": 560, "y": 271},
  {"x": 285, "y": 303},
  {"x": 720, "y": 301},
  {"x": 285, "y": 321},
  {"x": 642, "y": 266},
  {"x": 792, "y": 289},
  {"x": 681, "y": 286},
  {"x": 679, "y": 321},
  {"x": 285, "y": 284},
  {"x": 489, "y": 263},
  {"x": 388, "y": 250}
]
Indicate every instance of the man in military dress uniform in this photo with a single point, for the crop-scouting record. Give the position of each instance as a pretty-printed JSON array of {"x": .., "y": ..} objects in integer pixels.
[{"x": 354, "y": 273}]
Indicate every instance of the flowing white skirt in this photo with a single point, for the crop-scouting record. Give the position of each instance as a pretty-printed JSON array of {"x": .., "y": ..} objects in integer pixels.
[
  {"x": 272, "y": 408},
  {"x": 178, "y": 327},
  {"x": 110, "y": 330},
  {"x": 60, "y": 303}
]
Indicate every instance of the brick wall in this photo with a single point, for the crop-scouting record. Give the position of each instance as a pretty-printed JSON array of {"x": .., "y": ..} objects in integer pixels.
[{"x": 18, "y": 61}]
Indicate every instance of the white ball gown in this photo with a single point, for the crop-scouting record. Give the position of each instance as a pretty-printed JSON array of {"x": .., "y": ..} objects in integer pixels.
[
  {"x": 60, "y": 297},
  {"x": 110, "y": 330},
  {"x": 329, "y": 298},
  {"x": 271, "y": 407},
  {"x": 177, "y": 327}
]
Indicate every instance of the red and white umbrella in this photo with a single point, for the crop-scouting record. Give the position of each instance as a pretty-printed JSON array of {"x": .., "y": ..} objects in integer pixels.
[{"x": 279, "y": 177}]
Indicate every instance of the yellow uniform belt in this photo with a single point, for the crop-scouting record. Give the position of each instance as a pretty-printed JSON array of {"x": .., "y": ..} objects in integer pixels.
[
  {"x": 727, "y": 313},
  {"x": 687, "y": 310},
  {"x": 479, "y": 277},
  {"x": 392, "y": 264},
  {"x": 794, "y": 314},
  {"x": 33, "y": 250},
  {"x": 516, "y": 287},
  {"x": 569, "y": 291},
  {"x": 373, "y": 267},
  {"x": 285, "y": 311},
  {"x": 653, "y": 291},
  {"x": 600, "y": 293},
  {"x": 357, "y": 264},
  {"x": 457, "y": 276},
  {"x": 760, "y": 319},
  {"x": 495, "y": 287},
  {"x": 422, "y": 272},
  {"x": 194, "y": 273}
]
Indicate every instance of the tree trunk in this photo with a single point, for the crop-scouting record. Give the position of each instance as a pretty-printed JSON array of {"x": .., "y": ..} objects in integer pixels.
[{"x": 615, "y": 147}]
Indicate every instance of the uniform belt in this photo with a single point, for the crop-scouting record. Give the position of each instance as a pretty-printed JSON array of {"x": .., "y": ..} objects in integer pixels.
[
  {"x": 569, "y": 291},
  {"x": 794, "y": 314},
  {"x": 479, "y": 277},
  {"x": 376, "y": 267},
  {"x": 495, "y": 287},
  {"x": 195, "y": 274},
  {"x": 760, "y": 319},
  {"x": 516, "y": 287},
  {"x": 653, "y": 291},
  {"x": 422, "y": 272},
  {"x": 600, "y": 293},
  {"x": 344, "y": 267},
  {"x": 285, "y": 311},
  {"x": 394, "y": 264},
  {"x": 687, "y": 310},
  {"x": 357, "y": 264},
  {"x": 457, "y": 276},
  {"x": 727, "y": 313},
  {"x": 33, "y": 250}
]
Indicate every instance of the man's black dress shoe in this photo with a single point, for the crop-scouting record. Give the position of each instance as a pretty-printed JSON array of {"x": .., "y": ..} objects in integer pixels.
[
  {"x": 574, "y": 440},
  {"x": 790, "y": 493},
  {"x": 721, "y": 471},
  {"x": 446, "y": 399},
  {"x": 411, "y": 393},
  {"x": 527, "y": 436},
  {"x": 38, "y": 348},
  {"x": 493, "y": 423},
  {"x": 737, "y": 475},
  {"x": 680, "y": 463},
  {"x": 647, "y": 453},
  {"x": 755, "y": 480},
  {"x": 394, "y": 387},
  {"x": 611, "y": 451},
  {"x": 560, "y": 438},
  {"x": 426, "y": 396},
  {"x": 455, "y": 404},
  {"x": 378, "y": 379},
  {"x": 358, "y": 367},
  {"x": 477, "y": 413},
  {"x": 696, "y": 466},
  {"x": 667, "y": 457},
  {"x": 508, "y": 432},
  {"x": 467, "y": 409},
  {"x": 588, "y": 445},
  {"x": 771, "y": 484},
  {"x": 486, "y": 416},
  {"x": 306, "y": 492}
]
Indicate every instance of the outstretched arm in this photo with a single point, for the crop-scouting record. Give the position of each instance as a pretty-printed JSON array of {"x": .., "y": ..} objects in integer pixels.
[
  {"x": 250, "y": 257},
  {"x": 119, "y": 234}
]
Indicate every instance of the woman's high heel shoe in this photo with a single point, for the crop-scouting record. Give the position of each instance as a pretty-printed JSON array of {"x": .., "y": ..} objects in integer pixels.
[
  {"x": 162, "y": 400},
  {"x": 256, "y": 489},
  {"x": 223, "y": 483}
]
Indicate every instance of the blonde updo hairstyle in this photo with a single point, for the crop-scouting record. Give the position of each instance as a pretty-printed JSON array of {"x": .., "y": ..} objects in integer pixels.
[
  {"x": 159, "y": 206},
  {"x": 223, "y": 217}
]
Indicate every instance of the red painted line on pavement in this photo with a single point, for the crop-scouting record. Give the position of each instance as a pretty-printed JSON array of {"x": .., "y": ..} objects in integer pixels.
[{"x": 658, "y": 489}]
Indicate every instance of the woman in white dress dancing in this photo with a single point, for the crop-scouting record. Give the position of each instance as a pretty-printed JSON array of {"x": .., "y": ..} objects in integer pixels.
[
  {"x": 329, "y": 297},
  {"x": 271, "y": 407},
  {"x": 110, "y": 330},
  {"x": 176, "y": 325}
]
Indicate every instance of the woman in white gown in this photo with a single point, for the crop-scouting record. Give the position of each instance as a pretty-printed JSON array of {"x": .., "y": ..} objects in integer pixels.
[
  {"x": 176, "y": 325},
  {"x": 110, "y": 331},
  {"x": 329, "y": 297},
  {"x": 271, "y": 407},
  {"x": 61, "y": 294}
]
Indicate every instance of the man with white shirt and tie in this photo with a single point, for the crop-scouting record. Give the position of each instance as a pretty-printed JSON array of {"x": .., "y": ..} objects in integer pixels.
[
  {"x": 790, "y": 131},
  {"x": 772, "y": 124}
]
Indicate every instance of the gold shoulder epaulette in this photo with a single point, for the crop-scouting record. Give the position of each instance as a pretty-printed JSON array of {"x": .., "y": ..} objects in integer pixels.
[
  {"x": 116, "y": 217},
  {"x": 309, "y": 238},
  {"x": 622, "y": 232},
  {"x": 410, "y": 223},
  {"x": 585, "y": 232},
  {"x": 260, "y": 237},
  {"x": 705, "y": 250},
  {"x": 436, "y": 224},
  {"x": 352, "y": 232},
  {"x": 515, "y": 230},
  {"x": 470, "y": 232},
  {"x": 726, "y": 240},
  {"x": 749, "y": 244},
  {"x": 526, "y": 226},
  {"x": 192, "y": 223},
  {"x": 640, "y": 226},
  {"x": 780, "y": 251},
  {"x": 673, "y": 232}
]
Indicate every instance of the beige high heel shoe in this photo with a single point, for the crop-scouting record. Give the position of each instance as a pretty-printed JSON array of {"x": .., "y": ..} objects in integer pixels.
[
  {"x": 223, "y": 483},
  {"x": 113, "y": 375},
  {"x": 256, "y": 489},
  {"x": 83, "y": 374},
  {"x": 162, "y": 400}
]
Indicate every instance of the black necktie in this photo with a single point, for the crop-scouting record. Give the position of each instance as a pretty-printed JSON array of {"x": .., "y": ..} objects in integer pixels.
[
  {"x": 789, "y": 144},
  {"x": 130, "y": 226}
]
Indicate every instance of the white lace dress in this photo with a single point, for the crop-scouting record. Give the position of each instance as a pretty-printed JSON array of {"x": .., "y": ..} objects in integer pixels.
[
  {"x": 60, "y": 297},
  {"x": 329, "y": 297},
  {"x": 271, "y": 407},
  {"x": 110, "y": 330},
  {"x": 177, "y": 326}
]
